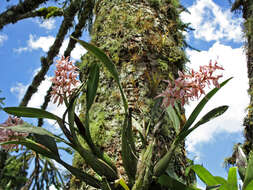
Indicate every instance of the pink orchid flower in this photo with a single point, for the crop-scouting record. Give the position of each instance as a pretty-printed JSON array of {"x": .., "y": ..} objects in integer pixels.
[
  {"x": 190, "y": 86},
  {"x": 65, "y": 80},
  {"x": 6, "y": 134}
]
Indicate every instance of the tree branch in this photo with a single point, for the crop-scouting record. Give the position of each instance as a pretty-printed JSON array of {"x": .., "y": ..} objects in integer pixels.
[
  {"x": 12, "y": 14},
  {"x": 46, "y": 62}
]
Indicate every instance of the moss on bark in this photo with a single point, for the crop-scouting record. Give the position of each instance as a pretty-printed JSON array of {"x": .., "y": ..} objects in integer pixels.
[{"x": 144, "y": 39}]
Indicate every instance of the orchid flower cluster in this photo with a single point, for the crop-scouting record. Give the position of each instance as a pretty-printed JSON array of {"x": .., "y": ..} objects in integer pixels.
[
  {"x": 190, "y": 86},
  {"x": 6, "y": 134},
  {"x": 65, "y": 80}
]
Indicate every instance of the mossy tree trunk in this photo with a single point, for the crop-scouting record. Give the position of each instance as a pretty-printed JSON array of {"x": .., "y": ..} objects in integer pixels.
[
  {"x": 246, "y": 6},
  {"x": 144, "y": 39},
  {"x": 248, "y": 121}
]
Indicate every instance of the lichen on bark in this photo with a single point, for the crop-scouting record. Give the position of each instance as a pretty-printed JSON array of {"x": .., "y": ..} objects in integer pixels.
[{"x": 144, "y": 39}]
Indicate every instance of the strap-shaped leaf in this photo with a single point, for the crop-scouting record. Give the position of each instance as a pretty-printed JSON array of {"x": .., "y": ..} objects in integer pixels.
[
  {"x": 204, "y": 175},
  {"x": 216, "y": 112},
  {"x": 172, "y": 183},
  {"x": 249, "y": 172},
  {"x": 121, "y": 182},
  {"x": 30, "y": 144},
  {"x": 221, "y": 180},
  {"x": 48, "y": 142},
  {"x": 92, "y": 85},
  {"x": 163, "y": 163},
  {"x": 27, "y": 128},
  {"x": 201, "y": 105},
  {"x": 249, "y": 186},
  {"x": 107, "y": 63},
  {"x": 128, "y": 149},
  {"x": 214, "y": 187},
  {"x": 87, "y": 178},
  {"x": 30, "y": 112},
  {"x": 232, "y": 178},
  {"x": 174, "y": 118}
]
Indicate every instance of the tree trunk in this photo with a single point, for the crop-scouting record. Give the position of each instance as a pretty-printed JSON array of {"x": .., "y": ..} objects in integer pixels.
[
  {"x": 248, "y": 29},
  {"x": 144, "y": 39}
]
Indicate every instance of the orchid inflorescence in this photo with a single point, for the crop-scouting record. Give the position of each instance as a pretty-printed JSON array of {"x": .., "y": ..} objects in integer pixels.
[
  {"x": 6, "y": 134},
  {"x": 190, "y": 86},
  {"x": 65, "y": 80}
]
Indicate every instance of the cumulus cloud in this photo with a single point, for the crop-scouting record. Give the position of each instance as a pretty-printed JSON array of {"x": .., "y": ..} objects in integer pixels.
[
  {"x": 45, "y": 42},
  {"x": 19, "y": 89},
  {"x": 48, "y": 24},
  {"x": 3, "y": 37},
  {"x": 212, "y": 23},
  {"x": 234, "y": 94}
]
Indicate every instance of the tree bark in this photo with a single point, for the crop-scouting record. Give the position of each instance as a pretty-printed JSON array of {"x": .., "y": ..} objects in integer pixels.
[
  {"x": 144, "y": 39},
  {"x": 247, "y": 9}
]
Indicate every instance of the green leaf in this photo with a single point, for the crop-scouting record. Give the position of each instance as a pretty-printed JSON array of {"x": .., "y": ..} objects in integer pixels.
[
  {"x": 27, "y": 128},
  {"x": 30, "y": 112},
  {"x": 83, "y": 176},
  {"x": 163, "y": 163},
  {"x": 216, "y": 112},
  {"x": 92, "y": 85},
  {"x": 30, "y": 144},
  {"x": 249, "y": 171},
  {"x": 174, "y": 118},
  {"x": 220, "y": 180},
  {"x": 122, "y": 182},
  {"x": 204, "y": 175},
  {"x": 232, "y": 178},
  {"x": 171, "y": 183},
  {"x": 201, "y": 105},
  {"x": 48, "y": 142},
  {"x": 214, "y": 187},
  {"x": 249, "y": 186},
  {"x": 107, "y": 63},
  {"x": 128, "y": 150}
]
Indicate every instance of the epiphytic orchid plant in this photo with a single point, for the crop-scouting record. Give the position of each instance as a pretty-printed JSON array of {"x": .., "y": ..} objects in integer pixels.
[{"x": 66, "y": 91}]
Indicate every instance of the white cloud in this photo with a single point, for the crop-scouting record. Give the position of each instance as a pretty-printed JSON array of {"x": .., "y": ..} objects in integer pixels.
[
  {"x": 3, "y": 38},
  {"x": 20, "y": 50},
  {"x": 48, "y": 24},
  {"x": 19, "y": 89},
  {"x": 45, "y": 42},
  {"x": 234, "y": 94},
  {"x": 212, "y": 23},
  {"x": 77, "y": 52}
]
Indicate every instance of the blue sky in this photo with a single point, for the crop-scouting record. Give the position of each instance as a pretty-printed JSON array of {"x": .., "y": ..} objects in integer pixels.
[{"x": 217, "y": 33}]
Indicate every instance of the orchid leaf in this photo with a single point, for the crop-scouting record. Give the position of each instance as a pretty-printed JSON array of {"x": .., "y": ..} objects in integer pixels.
[
  {"x": 30, "y": 112},
  {"x": 204, "y": 175},
  {"x": 107, "y": 63},
  {"x": 216, "y": 112},
  {"x": 128, "y": 150},
  {"x": 27, "y": 128},
  {"x": 232, "y": 178},
  {"x": 30, "y": 144},
  {"x": 201, "y": 105},
  {"x": 174, "y": 118},
  {"x": 249, "y": 171},
  {"x": 92, "y": 85},
  {"x": 249, "y": 186},
  {"x": 172, "y": 183}
]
